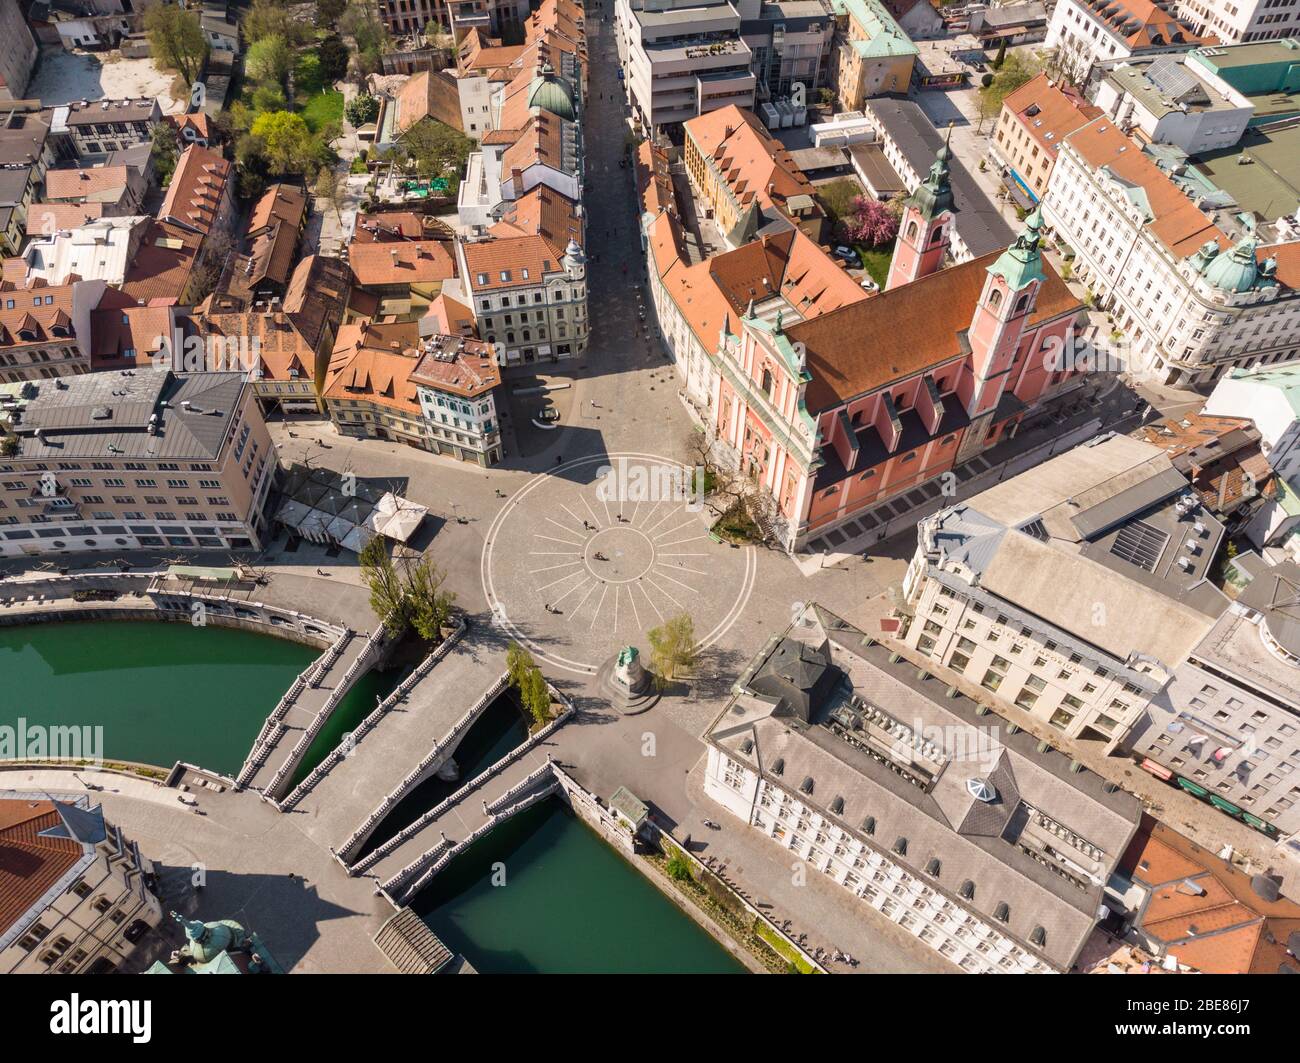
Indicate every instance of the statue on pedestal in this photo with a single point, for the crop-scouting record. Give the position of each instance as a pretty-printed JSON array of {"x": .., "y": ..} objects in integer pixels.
[{"x": 628, "y": 671}]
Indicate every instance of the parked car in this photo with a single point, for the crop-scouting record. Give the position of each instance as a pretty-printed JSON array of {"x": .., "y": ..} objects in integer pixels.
[
  {"x": 549, "y": 414},
  {"x": 870, "y": 285},
  {"x": 848, "y": 255}
]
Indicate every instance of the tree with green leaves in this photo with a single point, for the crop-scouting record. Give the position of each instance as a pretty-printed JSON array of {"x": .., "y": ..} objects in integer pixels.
[
  {"x": 176, "y": 39},
  {"x": 288, "y": 143},
  {"x": 334, "y": 56},
  {"x": 1017, "y": 69},
  {"x": 269, "y": 60},
  {"x": 672, "y": 648},
  {"x": 164, "y": 149},
  {"x": 328, "y": 12},
  {"x": 272, "y": 18},
  {"x": 428, "y": 605},
  {"x": 1001, "y": 57},
  {"x": 523, "y": 674},
  {"x": 387, "y": 595},
  {"x": 518, "y": 662},
  {"x": 361, "y": 109}
]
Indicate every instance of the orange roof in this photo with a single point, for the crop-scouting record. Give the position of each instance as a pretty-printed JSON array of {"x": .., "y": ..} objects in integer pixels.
[
  {"x": 654, "y": 179},
  {"x": 30, "y": 864},
  {"x": 542, "y": 211},
  {"x": 752, "y": 162},
  {"x": 196, "y": 120},
  {"x": 49, "y": 322},
  {"x": 273, "y": 228},
  {"x": 80, "y": 184},
  {"x": 374, "y": 361},
  {"x": 116, "y": 328},
  {"x": 901, "y": 332},
  {"x": 510, "y": 262},
  {"x": 1143, "y": 24},
  {"x": 1203, "y": 910},
  {"x": 1049, "y": 112},
  {"x": 540, "y": 141},
  {"x": 414, "y": 262},
  {"x": 196, "y": 189},
  {"x": 390, "y": 225},
  {"x": 450, "y": 316},
  {"x": 1177, "y": 223},
  {"x": 43, "y": 218},
  {"x": 468, "y": 368},
  {"x": 159, "y": 271}
]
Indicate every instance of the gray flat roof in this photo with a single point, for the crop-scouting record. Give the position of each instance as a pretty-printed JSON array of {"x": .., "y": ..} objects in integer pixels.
[
  {"x": 106, "y": 415},
  {"x": 978, "y": 221}
]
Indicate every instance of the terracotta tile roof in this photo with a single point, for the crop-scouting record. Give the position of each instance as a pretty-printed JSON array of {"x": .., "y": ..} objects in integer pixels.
[
  {"x": 1220, "y": 456},
  {"x": 542, "y": 211},
  {"x": 116, "y": 329},
  {"x": 523, "y": 259},
  {"x": 450, "y": 316},
  {"x": 391, "y": 225},
  {"x": 40, "y": 322},
  {"x": 197, "y": 120},
  {"x": 413, "y": 101},
  {"x": 196, "y": 189},
  {"x": 654, "y": 181},
  {"x": 1057, "y": 111},
  {"x": 162, "y": 266},
  {"x": 1177, "y": 222},
  {"x": 374, "y": 361},
  {"x": 1143, "y": 24},
  {"x": 29, "y": 864},
  {"x": 1205, "y": 911},
  {"x": 416, "y": 262},
  {"x": 898, "y": 333},
  {"x": 43, "y": 218},
  {"x": 273, "y": 228},
  {"x": 84, "y": 183},
  {"x": 470, "y": 373},
  {"x": 753, "y": 163},
  {"x": 540, "y": 141}
]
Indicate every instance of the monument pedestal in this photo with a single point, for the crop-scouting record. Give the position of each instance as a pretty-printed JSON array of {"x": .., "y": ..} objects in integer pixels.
[{"x": 626, "y": 684}]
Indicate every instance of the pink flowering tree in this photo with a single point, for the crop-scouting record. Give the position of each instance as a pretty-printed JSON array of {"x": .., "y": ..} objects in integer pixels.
[{"x": 870, "y": 222}]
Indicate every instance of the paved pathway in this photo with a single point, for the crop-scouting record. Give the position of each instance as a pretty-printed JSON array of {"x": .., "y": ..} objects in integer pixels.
[{"x": 419, "y": 723}]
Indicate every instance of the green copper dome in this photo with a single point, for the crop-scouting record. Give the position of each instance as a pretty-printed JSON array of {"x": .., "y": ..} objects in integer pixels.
[
  {"x": 1021, "y": 264},
  {"x": 552, "y": 93},
  {"x": 933, "y": 196},
  {"x": 1235, "y": 271}
]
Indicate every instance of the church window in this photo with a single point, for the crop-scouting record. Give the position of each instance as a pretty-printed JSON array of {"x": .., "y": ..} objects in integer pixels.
[
  {"x": 995, "y": 298},
  {"x": 911, "y": 230}
]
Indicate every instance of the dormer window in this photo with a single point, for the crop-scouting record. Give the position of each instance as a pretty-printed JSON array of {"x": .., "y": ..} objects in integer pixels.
[
  {"x": 26, "y": 334},
  {"x": 505, "y": 275}
]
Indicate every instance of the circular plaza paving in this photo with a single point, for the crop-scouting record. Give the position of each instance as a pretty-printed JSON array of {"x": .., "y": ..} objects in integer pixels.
[{"x": 615, "y": 546}]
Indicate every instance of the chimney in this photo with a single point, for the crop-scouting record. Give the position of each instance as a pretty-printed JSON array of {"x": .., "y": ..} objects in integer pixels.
[{"x": 518, "y": 178}]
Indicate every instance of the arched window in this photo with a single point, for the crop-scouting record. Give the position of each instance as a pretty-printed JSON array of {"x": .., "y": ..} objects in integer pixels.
[
  {"x": 995, "y": 298},
  {"x": 767, "y": 381},
  {"x": 1022, "y": 304},
  {"x": 936, "y": 236},
  {"x": 911, "y": 230}
]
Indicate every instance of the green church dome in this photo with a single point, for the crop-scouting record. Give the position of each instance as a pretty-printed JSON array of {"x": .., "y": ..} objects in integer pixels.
[
  {"x": 552, "y": 93},
  {"x": 1235, "y": 271}
]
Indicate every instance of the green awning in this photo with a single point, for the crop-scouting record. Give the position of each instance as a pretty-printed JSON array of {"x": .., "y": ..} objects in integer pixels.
[
  {"x": 1192, "y": 788},
  {"x": 198, "y": 572},
  {"x": 1224, "y": 805}
]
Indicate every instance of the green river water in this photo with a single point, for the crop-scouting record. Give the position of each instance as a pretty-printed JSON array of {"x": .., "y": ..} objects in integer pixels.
[{"x": 168, "y": 692}]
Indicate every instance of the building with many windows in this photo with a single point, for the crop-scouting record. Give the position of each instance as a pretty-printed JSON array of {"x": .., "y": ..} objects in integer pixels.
[
  {"x": 134, "y": 459},
  {"x": 1227, "y": 727},
  {"x": 75, "y": 895},
  {"x": 1073, "y": 590},
  {"x": 986, "y": 844},
  {"x": 1195, "y": 291},
  {"x": 1086, "y": 32},
  {"x": 1033, "y": 123},
  {"x": 1237, "y": 23}
]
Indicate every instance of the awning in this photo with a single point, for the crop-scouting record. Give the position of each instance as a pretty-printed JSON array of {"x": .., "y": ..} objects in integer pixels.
[
  {"x": 1191, "y": 787},
  {"x": 1224, "y": 805},
  {"x": 1158, "y": 770},
  {"x": 196, "y": 572}
]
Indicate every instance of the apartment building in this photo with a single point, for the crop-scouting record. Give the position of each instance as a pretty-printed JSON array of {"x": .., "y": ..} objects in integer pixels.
[
  {"x": 873, "y": 55},
  {"x": 792, "y": 43},
  {"x": 96, "y": 128},
  {"x": 1227, "y": 726},
  {"x": 1241, "y": 22},
  {"x": 285, "y": 344},
  {"x": 985, "y": 844},
  {"x": 1175, "y": 100},
  {"x": 1087, "y": 32},
  {"x": 135, "y": 459},
  {"x": 45, "y": 328},
  {"x": 455, "y": 379},
  {"x": 1195, "y": 294},
  {"x": 528, "y": 296},
  {"x": 18, "y": 51},
  {"x": 1073, "y": 590},
  {"x": 682, "y": 58},
  {"x": 398, "y": 278},
  {"x": 738, "y": 170},
  {"x": 78, "y": 897},
  {"x": 1031, "y": 127}
]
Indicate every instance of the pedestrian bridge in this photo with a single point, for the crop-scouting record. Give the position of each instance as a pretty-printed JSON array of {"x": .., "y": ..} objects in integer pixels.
[
  {"x": 405, "y": 740},
  {"x": 305, "y": 708}
]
